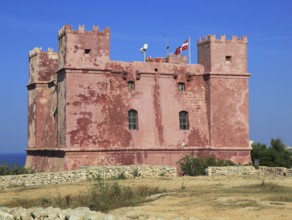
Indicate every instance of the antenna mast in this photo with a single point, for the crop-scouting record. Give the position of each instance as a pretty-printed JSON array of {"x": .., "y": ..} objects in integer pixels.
[{"x": 166, "y": 44}]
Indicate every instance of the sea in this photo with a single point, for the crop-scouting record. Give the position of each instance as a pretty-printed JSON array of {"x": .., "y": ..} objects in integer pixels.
[{"x": 13, "y": 158}]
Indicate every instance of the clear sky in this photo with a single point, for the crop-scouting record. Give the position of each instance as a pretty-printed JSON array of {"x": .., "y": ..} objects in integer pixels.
[{"x": 267, "y": 23}]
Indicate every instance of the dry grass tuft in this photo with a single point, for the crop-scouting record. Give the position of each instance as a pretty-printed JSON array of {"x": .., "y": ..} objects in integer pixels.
[{"x": 103, "y": 195}]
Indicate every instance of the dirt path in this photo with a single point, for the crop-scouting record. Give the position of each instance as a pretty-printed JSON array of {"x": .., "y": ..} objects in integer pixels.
[{"x": 197, "y": 197}]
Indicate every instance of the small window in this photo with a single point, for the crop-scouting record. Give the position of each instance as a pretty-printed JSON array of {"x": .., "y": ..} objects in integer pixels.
[
  {"x": 131, "y": 85},
  {"x": 228, "y": 59},
  {"x": 183, "y": 120},
  {"x": 133, "y": 119},
  {"x": 181, "y": 86},
  {"x": 87, "y": 51}
]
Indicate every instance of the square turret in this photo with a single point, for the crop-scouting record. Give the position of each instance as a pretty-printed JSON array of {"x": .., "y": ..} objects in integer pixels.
[
  {"x": 222, "y": 55},
  {"x": 83, "y": 49}
]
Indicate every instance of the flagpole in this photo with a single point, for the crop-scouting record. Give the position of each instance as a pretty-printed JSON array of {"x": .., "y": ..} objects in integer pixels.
[{"x": 190, "y": 59}]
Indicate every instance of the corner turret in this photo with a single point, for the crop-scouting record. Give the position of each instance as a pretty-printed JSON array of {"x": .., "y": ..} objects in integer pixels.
[
  {"x": 81, "y": 48},
  {"x": 222, "y": 55}
]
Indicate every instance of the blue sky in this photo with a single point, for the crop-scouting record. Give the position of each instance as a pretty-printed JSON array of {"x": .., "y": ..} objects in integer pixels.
[{"x": 267, "y": 23}]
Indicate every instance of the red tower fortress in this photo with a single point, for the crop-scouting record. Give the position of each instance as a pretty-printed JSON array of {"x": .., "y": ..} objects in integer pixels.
[{"x": 86, "y": 110}]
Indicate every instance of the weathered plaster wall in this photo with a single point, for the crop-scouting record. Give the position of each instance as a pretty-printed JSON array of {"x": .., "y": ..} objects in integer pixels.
[
  {"x": 97, "y": 108},
  {"x": 229, "y": 112},
  {"x": 44, "y": 160},
  {"x": 61, "y": 109},
  {"x": 31, "y": 117},
  {"x": 42, "y": 99}
]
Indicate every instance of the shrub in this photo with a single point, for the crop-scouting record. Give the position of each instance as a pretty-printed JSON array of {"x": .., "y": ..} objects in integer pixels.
[
  {"x": 13, "y": 169},
  {"x": 193, "y": 166},
  {"x": 121, "y": 176},
  {"x": 274, "y": 156},
  {"x": 136, "y": 172}
]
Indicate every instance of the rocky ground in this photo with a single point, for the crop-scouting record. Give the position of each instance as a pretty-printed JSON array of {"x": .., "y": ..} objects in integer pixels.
[{"x": 253, "y": 197}]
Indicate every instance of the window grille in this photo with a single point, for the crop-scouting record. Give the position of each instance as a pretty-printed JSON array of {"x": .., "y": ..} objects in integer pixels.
[
  {"x": 181, "y": 86},
  {"x": 133, "y": 119},
  {"x": 183, "y": 120}
]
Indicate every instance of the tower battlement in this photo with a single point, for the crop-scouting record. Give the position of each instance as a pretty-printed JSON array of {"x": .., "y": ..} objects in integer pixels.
[
  {"x": 213, "y": 38},
  {"x": 81, "y": 29},
  {"x": 37, "y": 50},
  {"x": 34, "y": 51}
]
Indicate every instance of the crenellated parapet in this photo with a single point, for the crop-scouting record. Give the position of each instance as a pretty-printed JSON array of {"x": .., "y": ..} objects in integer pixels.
[
  {"x": 34, "y": 51},
  {"x": 213, "y": 38},
  {"x": 64, "y": 29},
  {"x": 81, "y": 29},
  {"x": 37, "y": 50}
]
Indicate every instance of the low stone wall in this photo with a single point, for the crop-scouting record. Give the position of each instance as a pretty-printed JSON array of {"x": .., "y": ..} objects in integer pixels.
[
  {"x": 273, "y": 171},
  {"x": 84, "y": 174},
  {"x": 289, "y": 172},
  {"x": 248, "y": 170},
  {"x": 231, "y": 170}
]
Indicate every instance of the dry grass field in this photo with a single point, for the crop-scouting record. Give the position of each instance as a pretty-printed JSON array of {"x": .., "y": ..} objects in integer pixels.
[{"x": 198, "y": 197}]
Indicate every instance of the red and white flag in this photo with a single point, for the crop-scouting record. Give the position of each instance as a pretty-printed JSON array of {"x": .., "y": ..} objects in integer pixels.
[{"x": 183, "y": 47}]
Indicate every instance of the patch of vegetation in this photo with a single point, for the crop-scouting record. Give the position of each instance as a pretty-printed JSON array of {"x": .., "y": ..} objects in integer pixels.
[
  {"x": 270, "y": 187},
  {"x": 274, "y": 156},
  {"x": 281, "y": 198},
  {"x": 183, "y": 187},
  {"x": 260, "y": 188},
  {"x": 136, "y": 172},
  {"x": 121, "y": 176},
  {"x": 13, "y": 169},
  {"x": 194, "y": 166},
  {"x": 273, "y": 191},
  {"x": 103, "y": 195}
]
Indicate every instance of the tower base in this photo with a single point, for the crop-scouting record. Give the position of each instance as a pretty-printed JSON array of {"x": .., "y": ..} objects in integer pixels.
[{"x": 51, "y": 160}]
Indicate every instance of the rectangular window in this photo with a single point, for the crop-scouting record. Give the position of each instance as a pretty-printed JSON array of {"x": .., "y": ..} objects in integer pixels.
[
  {"x": 87, "y": 51},
  {"x": 183, "y": 120},
  {"x": 181, "y": 86},
  {"x": 228, "y": 59},
  {"x": 133, "y": 119}
]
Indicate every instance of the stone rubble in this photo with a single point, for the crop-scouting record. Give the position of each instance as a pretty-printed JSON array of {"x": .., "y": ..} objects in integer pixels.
[{"x": 81, "y": 213}]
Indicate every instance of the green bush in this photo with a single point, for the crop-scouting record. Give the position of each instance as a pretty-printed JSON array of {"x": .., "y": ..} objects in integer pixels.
[
  {"x": 13, "y": 169},
  {"x": 274, "y": 156},
  {"x": 136, "y": 172},
  {"x": 121, "y": 176},
  {"x": 193, "y": 166}
]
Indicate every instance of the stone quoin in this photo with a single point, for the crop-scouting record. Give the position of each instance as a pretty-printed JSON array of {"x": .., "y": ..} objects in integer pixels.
[{"x": 87, "y": 110}]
